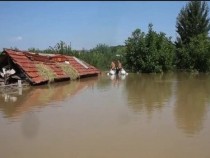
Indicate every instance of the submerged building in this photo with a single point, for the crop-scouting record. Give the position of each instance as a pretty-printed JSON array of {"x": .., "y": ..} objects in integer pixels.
[{"x": 40, "y": 68}]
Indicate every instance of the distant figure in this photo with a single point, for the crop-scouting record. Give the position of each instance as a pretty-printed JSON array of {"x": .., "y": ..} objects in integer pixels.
[
  {"x": 113, "y": 67},
  {"x": 119, "y": 67}
]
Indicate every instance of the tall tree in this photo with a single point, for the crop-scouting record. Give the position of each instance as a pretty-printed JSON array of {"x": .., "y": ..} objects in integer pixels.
[
  {"x": 151, "y": 52},
  {"x": 192, "y": 21},
  {"x": 193, "y": 44}
]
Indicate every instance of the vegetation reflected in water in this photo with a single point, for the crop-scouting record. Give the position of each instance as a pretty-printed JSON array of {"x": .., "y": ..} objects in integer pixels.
[
  {"x": 41, "y": 96},
  {"x": 108, "y": 117},
  {"x": 192, "y": 101},
  {"x": 148, "y": 91}
]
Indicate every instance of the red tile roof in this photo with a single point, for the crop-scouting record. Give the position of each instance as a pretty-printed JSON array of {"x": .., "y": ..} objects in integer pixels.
[
  {"x": 89, "y": 69},
  {"x": 27, "y": 62}
]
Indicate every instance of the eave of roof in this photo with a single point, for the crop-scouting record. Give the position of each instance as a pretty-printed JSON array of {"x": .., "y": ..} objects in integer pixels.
[{"x": 27, "y": 62}]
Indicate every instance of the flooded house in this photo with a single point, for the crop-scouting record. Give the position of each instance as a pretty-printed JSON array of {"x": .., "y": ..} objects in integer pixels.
[{"x": 40, "y": 68}]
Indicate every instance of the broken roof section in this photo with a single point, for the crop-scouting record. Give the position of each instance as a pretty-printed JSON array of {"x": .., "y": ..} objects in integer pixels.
[{"x": 56, "y": 65}]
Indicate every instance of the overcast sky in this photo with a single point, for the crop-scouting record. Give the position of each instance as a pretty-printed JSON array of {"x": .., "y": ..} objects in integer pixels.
[{"x": 85, "y": 24}]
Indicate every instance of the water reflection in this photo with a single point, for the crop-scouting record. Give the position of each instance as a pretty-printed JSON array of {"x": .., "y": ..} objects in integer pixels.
[
  {"x": 148, "y": 91},
  {"x": 9, "y": 94},
  {"x": 106, "y": 81},
  {"x": 103, "y": 82},
  {"x": 30, "y": 125},
  {"x": 192, "y": 99},
  {"x": 186, "y": 94},
  {"x": 14, "y": 104},
  {"x": 112, "y": 123}
]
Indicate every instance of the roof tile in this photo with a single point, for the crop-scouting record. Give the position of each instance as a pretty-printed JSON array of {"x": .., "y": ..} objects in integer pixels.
[{"x": 27, "y": 60}]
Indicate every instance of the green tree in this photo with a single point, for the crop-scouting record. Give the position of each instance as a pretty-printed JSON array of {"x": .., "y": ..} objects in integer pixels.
[
  {"x": 102, "y": 55},
  {"x": 61, "y": 48},
  {"x": 151, "y": 52},
  {"x": 192, "y": 44},
  {"x": 34, "y": 50},
  {"x": 199, "y": 52},
  {"x": 134, "y": 46},
  {"x": 192, "y": 21}
]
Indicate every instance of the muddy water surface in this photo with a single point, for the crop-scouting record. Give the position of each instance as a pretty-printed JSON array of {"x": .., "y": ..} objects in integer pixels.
[{"x": 141, "y": 115}]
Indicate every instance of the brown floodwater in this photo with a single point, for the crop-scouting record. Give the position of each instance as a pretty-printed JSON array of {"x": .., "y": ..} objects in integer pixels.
[{"x": 141, "y": 115}]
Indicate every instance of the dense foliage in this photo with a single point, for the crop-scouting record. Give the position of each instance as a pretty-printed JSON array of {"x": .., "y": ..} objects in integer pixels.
[
  {"x": 151, "y": 52},
  {"x": 195, "y": 55},
  {"x": 192, "y": 21},
  {"x": 102, "y": 55},
  {"x": 193, "y": 42}
]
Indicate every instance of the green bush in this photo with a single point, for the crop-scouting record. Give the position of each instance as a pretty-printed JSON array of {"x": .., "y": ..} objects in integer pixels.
[{"x": 151, "y": 52}]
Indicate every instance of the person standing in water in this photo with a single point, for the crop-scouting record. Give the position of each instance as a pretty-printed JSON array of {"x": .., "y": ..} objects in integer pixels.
[
  {"x": 113, "y": 67},
  {"x": 119, "y": 67}
]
